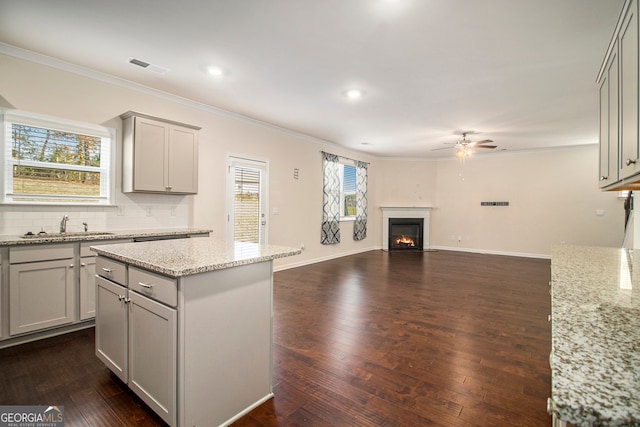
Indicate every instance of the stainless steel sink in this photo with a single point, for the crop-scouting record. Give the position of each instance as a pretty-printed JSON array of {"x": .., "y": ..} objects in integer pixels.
[{"x": 42, "y": 235}]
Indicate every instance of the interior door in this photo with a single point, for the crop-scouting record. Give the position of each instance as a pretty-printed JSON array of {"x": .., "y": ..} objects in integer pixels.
[{"x": 247, "y": 200}]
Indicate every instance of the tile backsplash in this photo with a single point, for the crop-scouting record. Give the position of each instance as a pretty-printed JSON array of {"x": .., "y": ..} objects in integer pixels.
[{"x": 131, "y": 212}]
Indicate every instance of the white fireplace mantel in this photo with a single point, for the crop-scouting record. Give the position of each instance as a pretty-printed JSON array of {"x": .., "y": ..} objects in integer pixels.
[{"x": 405, "y": 212}]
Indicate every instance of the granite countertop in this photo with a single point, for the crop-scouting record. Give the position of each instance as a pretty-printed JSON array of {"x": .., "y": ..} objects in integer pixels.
[
  {"x": 595, "y": 333},
  {"x": 185, "y": 257},
  {"x": 19, "y": 240}
]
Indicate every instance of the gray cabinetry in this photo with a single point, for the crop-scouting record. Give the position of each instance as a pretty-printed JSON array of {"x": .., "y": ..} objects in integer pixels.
[
  {"x": 41, "y": 288},
  {"x": 159, "y": 156},
  {"x": 111, "y": 327},
  {"x": 153, "y": 354},
  {"x": 618, "y": 86},
  {"x": 87, "y": 272},
  {"x": 609, "y": 141},
  {"x": 87, "y": 288},
  {"x": 628, "y": 125},
  {"x": 136, "y": 335}
]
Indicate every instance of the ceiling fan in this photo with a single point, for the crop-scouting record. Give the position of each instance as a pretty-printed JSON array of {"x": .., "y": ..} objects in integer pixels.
[{"x": 465, "y": 148}]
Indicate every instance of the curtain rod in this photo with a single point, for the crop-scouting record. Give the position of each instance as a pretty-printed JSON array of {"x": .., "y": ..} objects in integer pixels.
[{"x": 344, "y": 157}]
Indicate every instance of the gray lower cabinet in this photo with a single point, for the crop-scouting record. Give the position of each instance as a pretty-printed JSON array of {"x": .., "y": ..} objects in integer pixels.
[
  {"x": 41, "y": 295},
  {"x": 136, "y": 337},
  {"x": 87, "y": 288},
  {"x": 111, "y": 327},
  {"x": 41, "y": 288},
  {"x": 153, "y": 354}
]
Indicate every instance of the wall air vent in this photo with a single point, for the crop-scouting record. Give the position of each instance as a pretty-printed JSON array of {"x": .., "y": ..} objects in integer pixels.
[
  {"x": 494, "y": 203},
  {"x": 151, "y": 67}
]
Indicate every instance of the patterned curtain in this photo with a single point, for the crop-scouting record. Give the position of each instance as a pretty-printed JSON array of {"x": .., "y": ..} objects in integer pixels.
[
  {"x": 360, "y": 224},
  {"x": 331, "y": 201}
]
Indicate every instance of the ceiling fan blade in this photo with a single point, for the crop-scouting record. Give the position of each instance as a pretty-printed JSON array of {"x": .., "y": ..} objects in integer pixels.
[
  {"x": 486, "y": 146},
  {"x": 442, "y": 148},
  {"x": 485, "y": 141}
]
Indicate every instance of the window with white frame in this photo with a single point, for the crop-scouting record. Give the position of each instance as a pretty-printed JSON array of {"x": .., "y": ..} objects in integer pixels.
[
  {"x": 347, "y": 190},
  {"x": 55, "y": 161}
]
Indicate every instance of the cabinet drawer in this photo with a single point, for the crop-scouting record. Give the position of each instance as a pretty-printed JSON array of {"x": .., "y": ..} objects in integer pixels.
[
  {"x": 84, "y": 246},
  {"x": 112, "y": 270},
  {"x": 33, "y": 253},
  {"x": 161, "y": 288}
]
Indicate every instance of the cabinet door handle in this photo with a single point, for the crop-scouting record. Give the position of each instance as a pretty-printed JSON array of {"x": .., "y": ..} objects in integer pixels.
[
  {"x": 604, "y": 178},
  {"x": 106, "y": 270},
  {"x": 121, "y": 297},
  {"x": 82, "y": 264},
  {"x": 70, "y": 265},
  {"x": 630, "y": 162},
  {"x": 146, "y": 285}
]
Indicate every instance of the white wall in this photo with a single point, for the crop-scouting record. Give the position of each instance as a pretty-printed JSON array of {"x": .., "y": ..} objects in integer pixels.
[{"x": 553, "y": 195}]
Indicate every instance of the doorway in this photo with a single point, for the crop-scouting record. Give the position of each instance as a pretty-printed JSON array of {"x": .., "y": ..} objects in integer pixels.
[{"x": 247, "y": 190}]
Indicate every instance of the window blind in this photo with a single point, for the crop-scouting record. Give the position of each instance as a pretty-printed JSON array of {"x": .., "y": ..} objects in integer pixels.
[{"x": 247, "y": 204}]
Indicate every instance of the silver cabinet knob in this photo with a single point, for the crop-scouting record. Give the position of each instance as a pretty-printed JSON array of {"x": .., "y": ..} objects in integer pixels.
[{"x": 630, "y": 162}]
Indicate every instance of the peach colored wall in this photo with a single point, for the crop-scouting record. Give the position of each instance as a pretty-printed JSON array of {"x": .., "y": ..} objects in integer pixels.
[
  {"x": 553, "y": 198},
  {"x": 30, "y": 86}
]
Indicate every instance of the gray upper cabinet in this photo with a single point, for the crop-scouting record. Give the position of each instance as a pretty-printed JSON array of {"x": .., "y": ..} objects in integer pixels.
[
  {"x": 159, "y": 155},
  {"x": 628, "y": 48},
  {"x": 618, "y": 85},
  {"x": 609, "y": 141}
]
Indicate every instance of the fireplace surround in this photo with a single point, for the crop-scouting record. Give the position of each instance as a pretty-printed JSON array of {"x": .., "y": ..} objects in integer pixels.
[{"x": 398, "y": 212}]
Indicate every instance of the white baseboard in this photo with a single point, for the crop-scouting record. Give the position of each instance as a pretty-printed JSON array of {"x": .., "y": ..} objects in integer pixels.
[
  {"x": 491, "y": 252},
  {"x": 327, "y": 258}
]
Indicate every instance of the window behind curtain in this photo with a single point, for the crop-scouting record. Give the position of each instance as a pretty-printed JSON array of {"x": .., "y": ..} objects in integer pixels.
[{"x": 348, "y": 187}]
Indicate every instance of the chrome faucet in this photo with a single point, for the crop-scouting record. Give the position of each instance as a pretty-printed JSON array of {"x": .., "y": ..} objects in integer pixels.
[{"x": 63, "y": 224}]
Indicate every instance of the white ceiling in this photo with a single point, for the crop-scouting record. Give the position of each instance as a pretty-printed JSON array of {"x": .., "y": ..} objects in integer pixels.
[{"x": 519, "y": 72}]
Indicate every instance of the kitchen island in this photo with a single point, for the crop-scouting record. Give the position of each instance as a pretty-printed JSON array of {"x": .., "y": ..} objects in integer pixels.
[
  {"x": 595, "y": 314},
  {"x": 187, "y": 324}
]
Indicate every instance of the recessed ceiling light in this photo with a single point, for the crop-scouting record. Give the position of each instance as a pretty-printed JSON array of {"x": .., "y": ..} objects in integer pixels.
[
  {"x": 354, "y": 93},
  {"x": 216, "y": 71}
]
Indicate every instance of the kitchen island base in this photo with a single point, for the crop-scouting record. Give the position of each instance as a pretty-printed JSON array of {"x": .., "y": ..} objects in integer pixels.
[
  {"x": 209, "y": 305},
  {"x": 224, "y": 348}
]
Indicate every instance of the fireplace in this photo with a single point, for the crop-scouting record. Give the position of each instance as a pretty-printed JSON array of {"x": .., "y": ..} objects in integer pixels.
[
  {"x": 412, "y": 213},
  {"x": 405, "y": 234}
]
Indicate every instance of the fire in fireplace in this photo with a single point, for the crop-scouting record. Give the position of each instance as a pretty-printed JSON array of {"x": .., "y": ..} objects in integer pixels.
[{"x": 406, "y": 234}]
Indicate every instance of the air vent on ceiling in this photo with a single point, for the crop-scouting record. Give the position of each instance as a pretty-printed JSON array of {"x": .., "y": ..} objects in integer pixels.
[{"x": 151, "y": 67}]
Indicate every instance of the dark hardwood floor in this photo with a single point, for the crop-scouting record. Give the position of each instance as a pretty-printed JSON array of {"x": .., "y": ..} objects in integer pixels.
[{"x": 374, "y": 339}]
